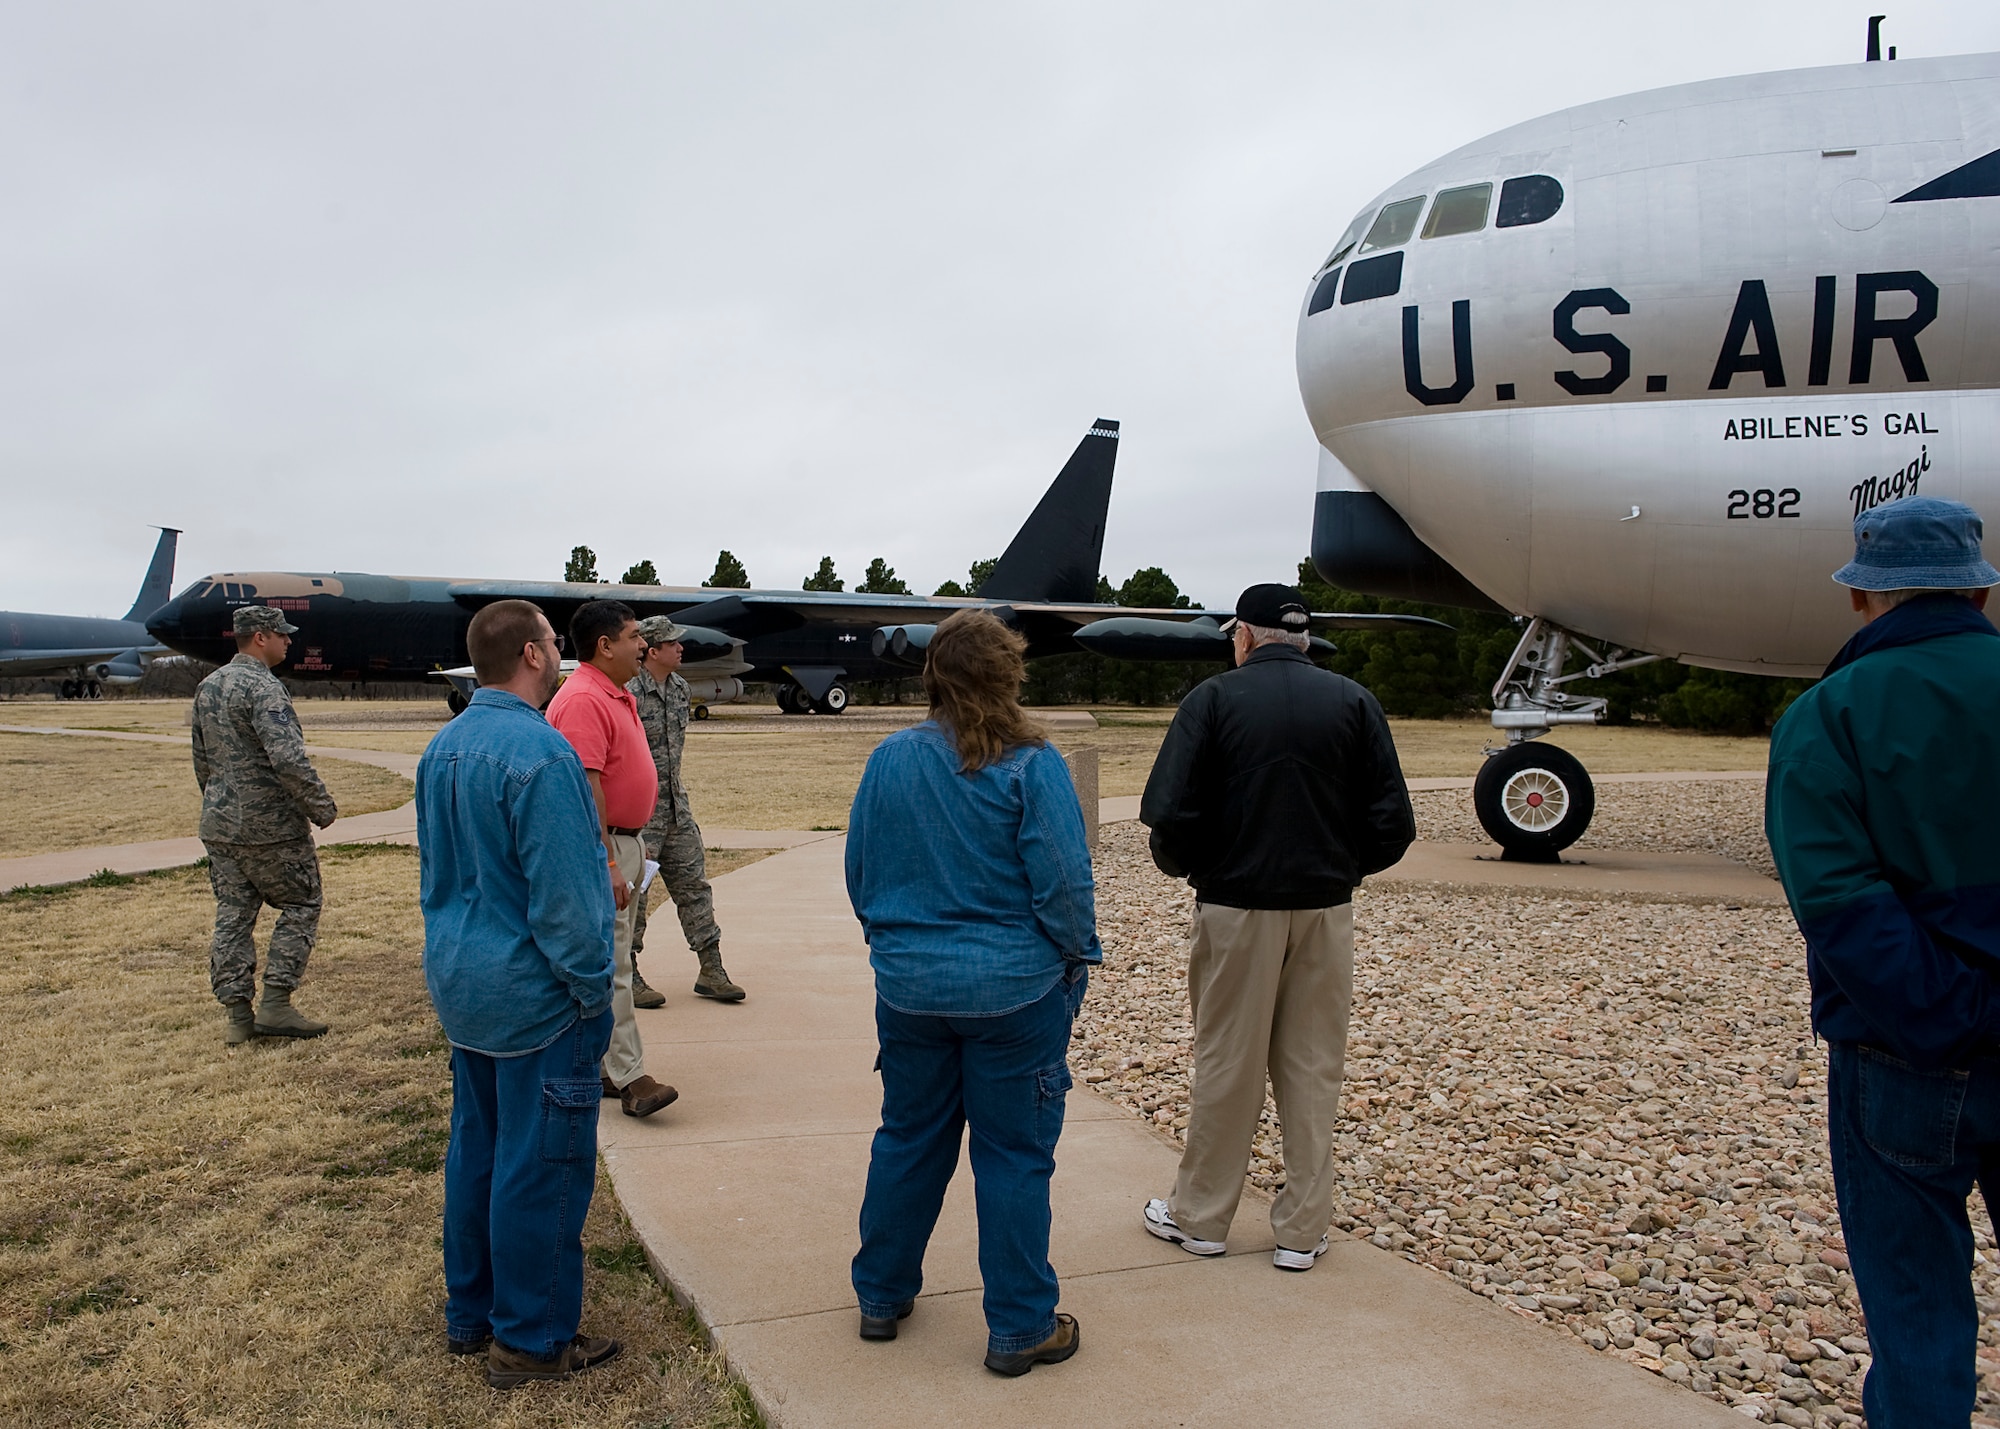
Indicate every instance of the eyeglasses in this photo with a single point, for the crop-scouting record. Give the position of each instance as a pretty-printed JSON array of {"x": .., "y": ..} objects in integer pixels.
[{"x": 561, "y": 644}]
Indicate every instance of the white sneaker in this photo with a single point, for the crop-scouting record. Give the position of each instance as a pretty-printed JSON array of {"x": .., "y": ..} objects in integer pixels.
[
  {"x": 1298, "y": 1259},
  {"x": 1161, "y": 1223}
]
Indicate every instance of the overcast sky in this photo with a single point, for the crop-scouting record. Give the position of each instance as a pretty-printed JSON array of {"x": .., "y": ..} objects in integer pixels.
[{"x": 449, "y": 289}]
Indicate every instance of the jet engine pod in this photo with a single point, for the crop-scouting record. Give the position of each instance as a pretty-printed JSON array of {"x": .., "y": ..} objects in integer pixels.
[
  {"x": 902, "y": 644},
  {"x": 1138, "y": 637}
]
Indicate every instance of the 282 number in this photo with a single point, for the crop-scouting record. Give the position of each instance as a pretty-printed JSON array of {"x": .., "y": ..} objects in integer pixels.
[{"x": 1763, "y": 503}]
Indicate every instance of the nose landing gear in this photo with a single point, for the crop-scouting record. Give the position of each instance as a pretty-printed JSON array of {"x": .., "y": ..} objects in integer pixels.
[{"x": 1535, "y": 801}]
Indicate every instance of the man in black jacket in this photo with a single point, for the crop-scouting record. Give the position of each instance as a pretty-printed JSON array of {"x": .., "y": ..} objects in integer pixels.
[{"x": 1276, "y": 791}]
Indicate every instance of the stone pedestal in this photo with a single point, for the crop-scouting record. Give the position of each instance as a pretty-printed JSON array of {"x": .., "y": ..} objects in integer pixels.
[{"x": 1083, "y": 773}]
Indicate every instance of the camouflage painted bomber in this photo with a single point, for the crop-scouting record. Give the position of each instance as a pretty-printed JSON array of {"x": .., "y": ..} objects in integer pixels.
[
  {"x": 664, "y": 709},
  {"x": 684, "y": 872},
  {"x": 245, "y": 878},
  {"x": 257, "y": 785}
]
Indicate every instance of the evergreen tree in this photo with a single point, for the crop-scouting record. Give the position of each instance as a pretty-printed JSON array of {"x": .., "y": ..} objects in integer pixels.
[
  {"x": 582, "y": 566},
  {"x": 640, "y": 573},
  {"x": 880, "y": 579},
  {"x": 975, "y": 577},
  {"x": 729, "y": 573},
  {"x": 1154, "y": 588},
  {"x": 823, "y": 578}
]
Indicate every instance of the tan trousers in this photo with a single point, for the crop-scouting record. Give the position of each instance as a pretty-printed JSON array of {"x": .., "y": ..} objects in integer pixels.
[
  {"x": 625, "y": 1061},
  {"x": 1269, "y": 989}
]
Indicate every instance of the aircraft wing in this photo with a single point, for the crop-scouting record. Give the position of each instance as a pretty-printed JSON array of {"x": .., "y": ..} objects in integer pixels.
[
  {"x": 749, "y": 614},
  {"x": 15, "y": 663}
]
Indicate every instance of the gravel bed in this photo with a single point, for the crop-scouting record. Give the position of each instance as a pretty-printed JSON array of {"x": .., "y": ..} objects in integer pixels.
[
  {"x": 1606, "y": 1114},
  {"x": 1718, "y": 816}
]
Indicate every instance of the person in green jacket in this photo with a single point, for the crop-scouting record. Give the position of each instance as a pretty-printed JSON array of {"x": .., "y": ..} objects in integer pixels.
[{"x": 1879, "y": 808}]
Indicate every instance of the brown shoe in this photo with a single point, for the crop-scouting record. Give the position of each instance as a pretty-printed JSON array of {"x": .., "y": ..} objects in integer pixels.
[
  {"x": 644, "y": 1096},
  {"x": 610, "y": 1087},
  {"x": 508, "y": 1368},
  {"x": 1054, "y": 1350}
]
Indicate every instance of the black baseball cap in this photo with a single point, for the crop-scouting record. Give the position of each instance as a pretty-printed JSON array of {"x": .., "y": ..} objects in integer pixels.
[{"x": 1273, "y": 606}]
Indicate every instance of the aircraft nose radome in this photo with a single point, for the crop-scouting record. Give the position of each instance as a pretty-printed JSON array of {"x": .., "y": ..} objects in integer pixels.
[{"x": 164, "y": 624}]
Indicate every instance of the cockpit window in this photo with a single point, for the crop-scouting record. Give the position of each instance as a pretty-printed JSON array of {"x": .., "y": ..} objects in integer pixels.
[
  {"x": 1461, "y": 210},
  {"x": 1533, "y": 198},
  {"x": 1347, "y": 239},
  {"x": 1394, "y": 225}
]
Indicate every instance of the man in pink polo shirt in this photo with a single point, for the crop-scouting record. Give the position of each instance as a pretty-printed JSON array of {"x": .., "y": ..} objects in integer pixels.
[{"x": 596, "y": 715}]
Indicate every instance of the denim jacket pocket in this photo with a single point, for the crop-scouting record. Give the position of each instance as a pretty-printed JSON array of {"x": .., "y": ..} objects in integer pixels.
[
  {"x": 1052, "y": 1085},
  {"x": 1908, "y": 1115},
  {"x": 569, "y": 1119}
]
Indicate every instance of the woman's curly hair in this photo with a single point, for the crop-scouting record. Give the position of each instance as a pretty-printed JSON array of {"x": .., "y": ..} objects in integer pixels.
[{"x": 973, "y": 677}]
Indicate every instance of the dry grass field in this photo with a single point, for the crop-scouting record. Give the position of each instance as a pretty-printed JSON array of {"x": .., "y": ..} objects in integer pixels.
[
  {"x": 61, "y": 792},
  {"x": 190, "y": 1236},
  {"x": 751, "y": 768}
]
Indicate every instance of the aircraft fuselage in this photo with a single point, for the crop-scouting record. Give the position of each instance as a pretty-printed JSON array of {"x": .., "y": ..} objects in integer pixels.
[{"x": 1635, "y": 367}]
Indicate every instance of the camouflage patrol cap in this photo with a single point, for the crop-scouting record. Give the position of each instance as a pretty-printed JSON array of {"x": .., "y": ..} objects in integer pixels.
[
  {"x": 252, "y": 618},
  {"x": 660, "y": 630}
]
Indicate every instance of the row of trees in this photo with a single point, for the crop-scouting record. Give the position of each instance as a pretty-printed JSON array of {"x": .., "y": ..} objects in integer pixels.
[
  {"x": 729, "y": 574},
  {"x": 1425, "y": 674}
]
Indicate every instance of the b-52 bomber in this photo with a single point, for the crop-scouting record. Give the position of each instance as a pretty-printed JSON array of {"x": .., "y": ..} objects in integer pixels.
[{"x": 810, "y": 645}]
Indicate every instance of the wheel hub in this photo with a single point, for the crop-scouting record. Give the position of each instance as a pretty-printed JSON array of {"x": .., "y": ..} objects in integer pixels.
[{"x": 1534, "y": 800}]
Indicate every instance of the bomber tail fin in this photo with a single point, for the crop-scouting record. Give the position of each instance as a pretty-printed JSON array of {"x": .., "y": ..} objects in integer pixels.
[
  {"x": 158, "y": 586},
  {"x": 1055, "y": 554}
]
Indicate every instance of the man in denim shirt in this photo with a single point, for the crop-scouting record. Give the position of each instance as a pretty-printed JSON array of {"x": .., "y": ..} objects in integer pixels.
[{"x": 517, "y": 957}]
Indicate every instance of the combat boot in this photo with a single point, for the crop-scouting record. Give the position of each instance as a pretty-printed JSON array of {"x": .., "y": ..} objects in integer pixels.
[
  {"x": 714, "y": 981},
  {"x": 240, "y": 1027},
  {"x": 645, "y": 994},
  {"x": 276, "y": 1017}
]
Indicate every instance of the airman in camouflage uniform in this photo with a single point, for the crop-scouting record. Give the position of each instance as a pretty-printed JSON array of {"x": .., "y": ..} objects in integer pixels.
[
  {"x": 672, "y": 838},
  {"x": 259, "y": 794}
]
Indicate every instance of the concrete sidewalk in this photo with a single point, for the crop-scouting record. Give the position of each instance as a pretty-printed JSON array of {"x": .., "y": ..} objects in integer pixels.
[{"x": 746, "y": 1192}]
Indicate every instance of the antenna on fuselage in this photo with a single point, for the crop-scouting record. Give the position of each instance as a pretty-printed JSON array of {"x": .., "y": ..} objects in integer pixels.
[{"x": 1875, "y": 38}]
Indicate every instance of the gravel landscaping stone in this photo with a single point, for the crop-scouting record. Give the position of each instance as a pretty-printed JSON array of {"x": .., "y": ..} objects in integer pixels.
[{"x": 1603, "y": 1113}]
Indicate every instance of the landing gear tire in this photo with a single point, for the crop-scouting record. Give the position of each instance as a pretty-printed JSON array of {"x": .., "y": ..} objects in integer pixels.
[
  {"x": 96, "y": 691},
  {"x": 1534, "y": 801},
  {"x": 833, "y": 702},
  {"x": 700, "y": 712},
  {"x": 790, "y": 699},
  {"x": 456, "y": 703},
  {"x": 66, "y": 690}
]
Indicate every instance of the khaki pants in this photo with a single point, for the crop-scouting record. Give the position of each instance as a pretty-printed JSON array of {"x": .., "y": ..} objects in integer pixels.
[
  {"x": 1269, "y": 989},
  {"x": 625, "y": 1062}
]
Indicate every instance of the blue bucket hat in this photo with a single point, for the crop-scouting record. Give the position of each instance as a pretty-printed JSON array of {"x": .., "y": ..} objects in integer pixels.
[{"x": 1918, "y": 543}]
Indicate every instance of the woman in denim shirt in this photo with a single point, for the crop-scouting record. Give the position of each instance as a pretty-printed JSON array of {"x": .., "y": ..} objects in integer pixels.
[{"x": 968, "y": 868}]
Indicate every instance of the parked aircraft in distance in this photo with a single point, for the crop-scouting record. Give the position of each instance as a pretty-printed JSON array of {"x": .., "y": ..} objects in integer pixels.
[
  {"x": 810, "y": 644},
  {"x": 1632, "y": 369},
  {"x": 89, "y": 652}
]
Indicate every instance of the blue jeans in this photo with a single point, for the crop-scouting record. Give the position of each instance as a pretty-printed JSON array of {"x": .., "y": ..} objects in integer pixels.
[
  {"x": 518, "y": 1178},
  {"x": 1006, "y": 1076},
  {"x": 1908, "y": 1145}
]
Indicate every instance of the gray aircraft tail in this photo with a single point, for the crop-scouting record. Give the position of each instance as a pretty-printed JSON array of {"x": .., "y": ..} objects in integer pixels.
[
  {"x": 1054, "y": 556},
  {"x": 158, "y": 586}
]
